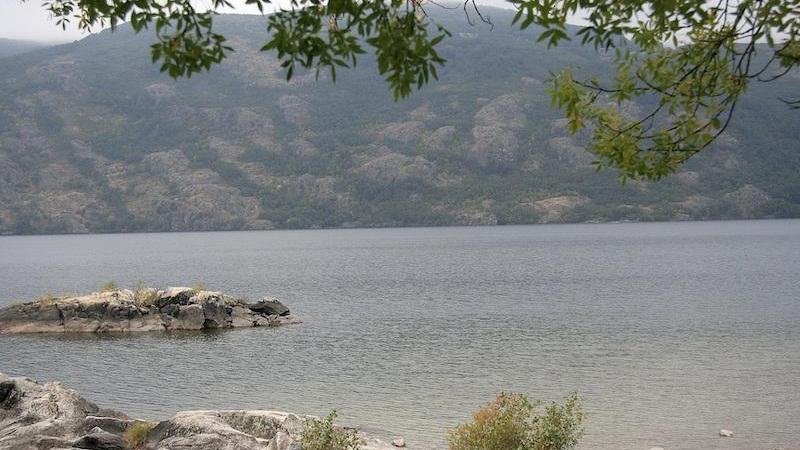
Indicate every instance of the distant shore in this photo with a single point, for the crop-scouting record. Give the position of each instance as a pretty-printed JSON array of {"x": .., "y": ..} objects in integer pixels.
[{"x": 401, "y": 226}]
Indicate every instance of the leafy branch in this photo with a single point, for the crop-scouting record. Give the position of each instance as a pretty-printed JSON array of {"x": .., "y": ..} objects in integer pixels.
[{"x": 687, "y": 63}]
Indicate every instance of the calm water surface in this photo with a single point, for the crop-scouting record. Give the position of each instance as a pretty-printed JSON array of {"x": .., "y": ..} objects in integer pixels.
[{"x": 669, "y": 331}]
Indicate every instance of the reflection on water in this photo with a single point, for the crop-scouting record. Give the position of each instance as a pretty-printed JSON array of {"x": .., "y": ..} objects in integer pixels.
[
  {"x": 205, "y": 335},
  {"x": 670, "y": 331}
]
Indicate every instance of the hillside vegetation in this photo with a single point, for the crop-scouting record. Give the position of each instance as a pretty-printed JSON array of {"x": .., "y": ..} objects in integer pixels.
[{"x": 94, "y": 139}]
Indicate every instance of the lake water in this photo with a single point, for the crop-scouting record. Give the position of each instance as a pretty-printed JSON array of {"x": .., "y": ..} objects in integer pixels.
[{"x": 669, "y": 331}]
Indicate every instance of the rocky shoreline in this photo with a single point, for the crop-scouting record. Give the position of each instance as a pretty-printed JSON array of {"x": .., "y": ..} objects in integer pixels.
[
  {"x": 146, "y": 309},
  {"x": 47, "y": 416}
]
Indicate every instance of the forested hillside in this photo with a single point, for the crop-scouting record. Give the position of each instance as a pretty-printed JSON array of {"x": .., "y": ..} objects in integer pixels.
[{"x": 94, "y": 139}]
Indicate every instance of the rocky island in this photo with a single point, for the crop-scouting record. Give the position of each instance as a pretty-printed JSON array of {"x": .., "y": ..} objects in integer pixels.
[
  {"x": 50, "y": 416},
  {"x": 145, "y": 309}
]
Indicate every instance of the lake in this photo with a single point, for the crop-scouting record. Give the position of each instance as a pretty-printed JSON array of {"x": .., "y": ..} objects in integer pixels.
[{"x": 669, "y": 331}]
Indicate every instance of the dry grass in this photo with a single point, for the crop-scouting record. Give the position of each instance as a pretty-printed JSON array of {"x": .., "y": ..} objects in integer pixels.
[
  {"x": 109, "y": 287},
  {"x": 143, "y": 295},
  {"x": 136, "y": 434},
  {"x": 147, "y": 297},
  {"x": 46, "y": 299}
]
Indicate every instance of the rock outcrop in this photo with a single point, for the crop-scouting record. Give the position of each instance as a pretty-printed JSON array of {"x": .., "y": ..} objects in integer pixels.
[
  {"x": 51, "y": 416},
  {"x": 496, "y": 133},
  {"x": 123, "y": 310},
  {"x": 44, "y": 416}
]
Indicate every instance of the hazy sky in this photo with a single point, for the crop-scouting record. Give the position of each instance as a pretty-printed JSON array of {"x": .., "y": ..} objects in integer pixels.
[{"x": 28, "y": 20}]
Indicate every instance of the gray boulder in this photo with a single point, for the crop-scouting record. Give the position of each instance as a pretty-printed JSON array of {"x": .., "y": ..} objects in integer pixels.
[
  {"x": 189, "y": 317},
  {"x": 111, "y": 424},
  {"x": 270, "y": 307},
  {"x": 99, "y": 439},
  {"x": 215, "y": 313},
  {"x": 38, "y": 316},
  {"x": 243, "y": 317},
  {"x": 34, "y": 415},
  {"x": 175, "y": 296}
]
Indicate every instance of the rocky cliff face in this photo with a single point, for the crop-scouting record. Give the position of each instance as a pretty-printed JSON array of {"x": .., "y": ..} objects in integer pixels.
[
  {"x": 144, "y": 310},
  {"x": 51, "y": 416},
  {"x": 93, "y": 138}
]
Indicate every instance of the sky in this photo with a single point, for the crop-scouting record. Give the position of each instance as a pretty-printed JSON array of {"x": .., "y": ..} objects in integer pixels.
[{"x": 29, "y": 21}]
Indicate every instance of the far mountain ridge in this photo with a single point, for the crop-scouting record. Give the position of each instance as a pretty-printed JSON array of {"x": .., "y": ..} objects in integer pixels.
[
  {"x": 93, "y": 138},
  {"x": 11, "y": 47}
]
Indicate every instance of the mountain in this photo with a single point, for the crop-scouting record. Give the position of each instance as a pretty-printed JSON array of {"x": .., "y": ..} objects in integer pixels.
[
  {"x": 10, "y": 47},
  {"x": 94, "y": 139}
]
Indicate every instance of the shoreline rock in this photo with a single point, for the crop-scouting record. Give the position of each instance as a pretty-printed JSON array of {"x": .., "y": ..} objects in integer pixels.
[
  {"x": 123, "y": 310},
  {"x": 48, "y": 416}
]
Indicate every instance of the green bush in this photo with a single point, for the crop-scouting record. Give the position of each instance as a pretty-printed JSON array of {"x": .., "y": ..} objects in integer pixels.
[
  {"x": 321, "y": 434},
  {"x": 512, "y": 422},
  {"x": 560, "y": 427}
]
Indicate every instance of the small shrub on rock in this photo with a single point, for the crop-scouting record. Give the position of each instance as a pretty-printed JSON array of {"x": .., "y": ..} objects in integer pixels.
[
  {"x": 109, "y": 287},
  {"x": 136, "y": 434},
  {"x": 321, "y": 434},
  {"x": 512, "y": 422},
  {"x": 143, "y": 295},
  {"x": 46, "y": 299}
]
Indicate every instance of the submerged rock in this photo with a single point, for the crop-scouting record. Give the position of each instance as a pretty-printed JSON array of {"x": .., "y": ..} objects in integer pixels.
[
  {"x": 122, "y": 310},
  {"x": 44, "y": 416}
]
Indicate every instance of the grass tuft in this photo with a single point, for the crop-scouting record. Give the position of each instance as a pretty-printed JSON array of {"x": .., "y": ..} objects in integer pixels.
[
  {"x": 143, "y": 295},
  {"x": 47, "y": 299},
  {"x": 136, "y": 434}
]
